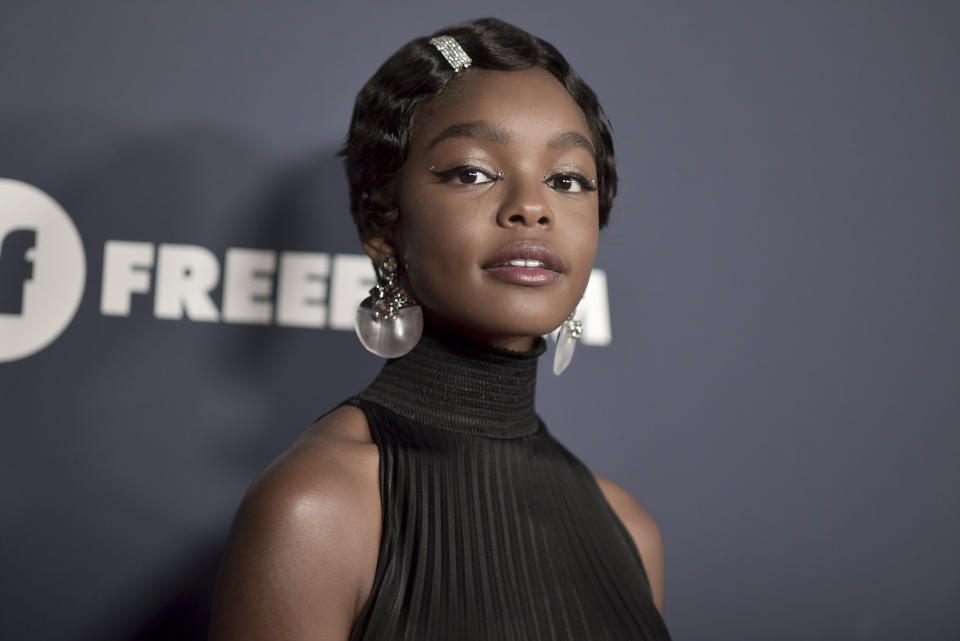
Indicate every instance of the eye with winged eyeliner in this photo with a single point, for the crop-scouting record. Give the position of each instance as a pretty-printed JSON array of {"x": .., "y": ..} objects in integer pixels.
[
  {"x": 466, "y": 175},
  {"x": 569, "y": 182}
]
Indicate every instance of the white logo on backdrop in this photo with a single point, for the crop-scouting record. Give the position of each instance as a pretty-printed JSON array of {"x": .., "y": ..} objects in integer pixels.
[
  {"x": 42, "y": 270},
  {"x": 264, "y": 287}
]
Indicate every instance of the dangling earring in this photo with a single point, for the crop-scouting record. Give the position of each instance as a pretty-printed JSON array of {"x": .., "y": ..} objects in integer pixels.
[
  {"x": 567, "y": 337},
  {"x": 388, "y": 322}
]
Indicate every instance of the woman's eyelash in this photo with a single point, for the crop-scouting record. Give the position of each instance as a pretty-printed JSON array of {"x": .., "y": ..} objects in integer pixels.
[
  {"x": 586, "y": 184},
  {"x": 469, "y": 174},
  {"x": 564, "y": 182}
]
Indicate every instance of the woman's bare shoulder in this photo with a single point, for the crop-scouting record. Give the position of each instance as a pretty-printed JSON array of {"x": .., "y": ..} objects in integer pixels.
[
  {"x": 304, "y": 543},
  {"x": 332, "y": 466},
  {"x": 643, "y": 530}
]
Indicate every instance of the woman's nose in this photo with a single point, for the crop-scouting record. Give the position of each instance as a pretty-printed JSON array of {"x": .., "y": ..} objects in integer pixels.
[{"x": 525, "y": 204}]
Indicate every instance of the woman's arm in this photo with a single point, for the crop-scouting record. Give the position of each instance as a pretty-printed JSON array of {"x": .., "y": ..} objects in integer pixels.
[
  {"x": 644, "y": 531},
  {"x": 300, "y": 548}
]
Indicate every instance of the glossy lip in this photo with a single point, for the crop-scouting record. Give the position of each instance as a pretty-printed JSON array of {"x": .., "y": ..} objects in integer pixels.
[{"x": 499, "y": 267}]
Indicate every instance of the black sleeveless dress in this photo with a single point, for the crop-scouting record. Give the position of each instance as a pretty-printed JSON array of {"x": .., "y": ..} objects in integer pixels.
[{"x": 492, "y": 530}]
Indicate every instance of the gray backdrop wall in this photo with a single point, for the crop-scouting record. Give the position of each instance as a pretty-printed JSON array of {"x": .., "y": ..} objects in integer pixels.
[{"x": 782, "y": 389}]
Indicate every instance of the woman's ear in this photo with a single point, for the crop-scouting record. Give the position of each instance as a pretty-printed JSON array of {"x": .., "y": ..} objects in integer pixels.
[{"x": 378, "y": 248}]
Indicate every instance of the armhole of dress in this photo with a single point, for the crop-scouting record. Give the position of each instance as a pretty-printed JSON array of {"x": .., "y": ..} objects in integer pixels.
[
  {"x": 359, "y": 627},
  {"x": 602, "y": 498},
  {"x": 624, "y": 532}
]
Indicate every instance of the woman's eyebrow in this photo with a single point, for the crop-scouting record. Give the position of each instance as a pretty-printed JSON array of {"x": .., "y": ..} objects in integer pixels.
[
  {"x": 480, "y": 130},
  {"x": 569, "y": 139}
]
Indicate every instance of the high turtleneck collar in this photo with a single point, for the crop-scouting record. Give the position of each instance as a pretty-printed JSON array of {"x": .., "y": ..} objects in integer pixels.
[{"x": 454, "y": 383}]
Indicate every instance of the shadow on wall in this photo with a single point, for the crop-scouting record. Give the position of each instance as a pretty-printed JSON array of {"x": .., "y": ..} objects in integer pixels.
[
  {"x": 196, "y": 185},
  {"x": 177, "y": 607}
]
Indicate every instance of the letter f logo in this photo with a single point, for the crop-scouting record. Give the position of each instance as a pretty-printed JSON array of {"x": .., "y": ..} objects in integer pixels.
[
  {"x": 43, "y": 270},
  {"x": 16, "y": 268}
]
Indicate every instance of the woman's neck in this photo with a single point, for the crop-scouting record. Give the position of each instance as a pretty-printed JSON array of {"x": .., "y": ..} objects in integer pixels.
[
  {"x": 509, "y": 342},
  {"x": 454, "y": 382}
]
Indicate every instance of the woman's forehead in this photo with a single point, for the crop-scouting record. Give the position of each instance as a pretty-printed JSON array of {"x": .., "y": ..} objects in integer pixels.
[{"x": 495, "y": 105}]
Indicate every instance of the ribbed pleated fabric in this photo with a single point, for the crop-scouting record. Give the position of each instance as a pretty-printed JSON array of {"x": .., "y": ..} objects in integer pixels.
[{"x": 492, "y": 530}]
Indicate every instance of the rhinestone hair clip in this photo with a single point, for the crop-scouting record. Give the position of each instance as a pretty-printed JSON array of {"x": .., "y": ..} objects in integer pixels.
[{"x": 452, "y": 51}]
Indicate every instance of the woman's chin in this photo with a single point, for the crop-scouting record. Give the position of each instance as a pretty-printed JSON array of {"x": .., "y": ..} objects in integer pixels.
[{"x": 517, "y": 336}]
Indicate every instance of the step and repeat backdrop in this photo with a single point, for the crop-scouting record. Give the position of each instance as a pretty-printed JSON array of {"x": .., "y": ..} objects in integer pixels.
[{"x": 770, "y": 352}]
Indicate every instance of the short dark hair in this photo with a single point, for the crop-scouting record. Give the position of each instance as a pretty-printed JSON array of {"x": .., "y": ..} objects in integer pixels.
[{"x": 387, "y": 107}]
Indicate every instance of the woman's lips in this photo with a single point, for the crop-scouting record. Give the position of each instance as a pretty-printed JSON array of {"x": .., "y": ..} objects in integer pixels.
[{"x": 525, "y": 263}]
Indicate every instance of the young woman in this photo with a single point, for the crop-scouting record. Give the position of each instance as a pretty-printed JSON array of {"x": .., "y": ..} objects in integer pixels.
[{"x": 435, "y": 505}]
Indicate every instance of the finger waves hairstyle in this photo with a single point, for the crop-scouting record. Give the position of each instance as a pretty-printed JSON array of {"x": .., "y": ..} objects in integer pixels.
[{"x": 387, "y": 107}]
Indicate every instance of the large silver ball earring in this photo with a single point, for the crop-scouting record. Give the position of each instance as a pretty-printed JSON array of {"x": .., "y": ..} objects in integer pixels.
[
  {"x": 567, "y": 337},
  {"x": 388, "y": 322}
]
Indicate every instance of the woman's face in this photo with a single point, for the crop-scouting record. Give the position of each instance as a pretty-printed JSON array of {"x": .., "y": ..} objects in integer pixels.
[{"x": 499, "y": 219}]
